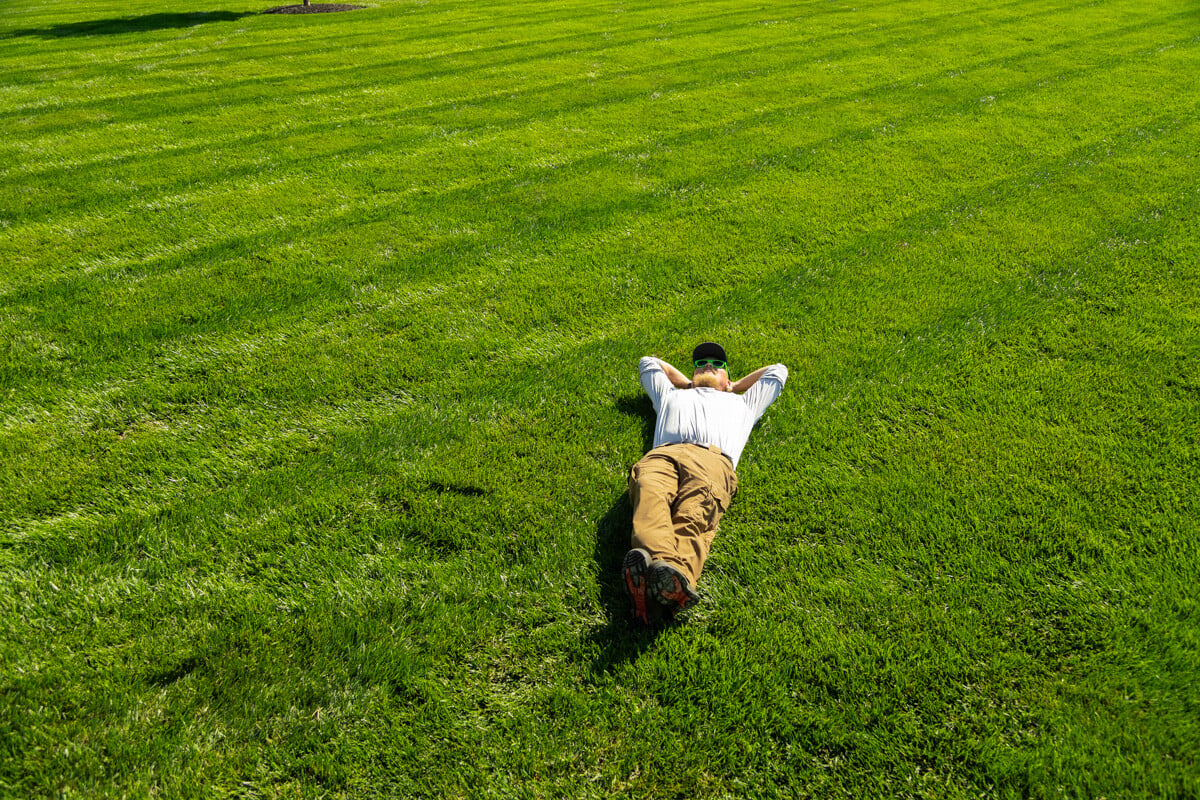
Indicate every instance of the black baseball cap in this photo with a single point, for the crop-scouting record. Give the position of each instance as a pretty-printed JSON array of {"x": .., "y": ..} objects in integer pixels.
[{"x": 709, "y": 350}]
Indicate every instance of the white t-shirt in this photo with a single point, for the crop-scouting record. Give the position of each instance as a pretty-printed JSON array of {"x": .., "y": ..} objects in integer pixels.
[{"x": 708, "y": 416}]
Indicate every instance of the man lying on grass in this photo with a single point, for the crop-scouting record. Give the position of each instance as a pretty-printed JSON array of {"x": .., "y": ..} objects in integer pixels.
[{"x": 682, "y": 487}]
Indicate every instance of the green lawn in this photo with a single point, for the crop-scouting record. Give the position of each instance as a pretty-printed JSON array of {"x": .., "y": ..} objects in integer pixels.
[{"x": 318, "y": 343}]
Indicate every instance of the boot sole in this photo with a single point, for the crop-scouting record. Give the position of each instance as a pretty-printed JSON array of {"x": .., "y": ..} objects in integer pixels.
[
  {"x": 634, "y": 570},
  {"x": 672, "y": 589}
]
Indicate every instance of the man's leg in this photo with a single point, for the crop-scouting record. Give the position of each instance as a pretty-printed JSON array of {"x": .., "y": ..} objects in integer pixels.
[
  {"x": 651, "y": 490},
  {"x": 706, "y": 485},
  {"x": 653, "y": 485},
  {"x": 679, "y": 493}
]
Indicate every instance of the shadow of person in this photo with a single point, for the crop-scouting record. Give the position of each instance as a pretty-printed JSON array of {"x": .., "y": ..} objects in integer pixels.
[
  {"x": 640, "y": 406},
  {"x": 146, "y": 22},
  {"x": 621, "y": 639}
]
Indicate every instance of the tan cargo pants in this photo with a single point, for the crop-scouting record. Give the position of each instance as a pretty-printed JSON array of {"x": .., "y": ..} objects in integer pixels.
[{"x": 679, "y": 493}]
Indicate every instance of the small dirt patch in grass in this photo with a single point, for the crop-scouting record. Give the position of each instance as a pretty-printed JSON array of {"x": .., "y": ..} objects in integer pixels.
[{"x": 313, "y": 8}]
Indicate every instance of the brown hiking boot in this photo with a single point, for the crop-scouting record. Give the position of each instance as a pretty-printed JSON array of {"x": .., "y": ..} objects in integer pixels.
[
  {"x": 635, "y": 570},
  {"x": 669, "y": 586}
]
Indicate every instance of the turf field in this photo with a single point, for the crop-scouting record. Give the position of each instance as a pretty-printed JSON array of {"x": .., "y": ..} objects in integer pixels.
[{"x": 318, "y": 343}]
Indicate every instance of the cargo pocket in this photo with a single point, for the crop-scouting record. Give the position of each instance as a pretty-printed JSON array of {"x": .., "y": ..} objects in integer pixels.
[{"x": 723, "y": 493}]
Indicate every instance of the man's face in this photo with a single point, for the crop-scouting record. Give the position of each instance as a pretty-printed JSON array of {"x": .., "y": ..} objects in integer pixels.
[{"x": 707, "y": 376}]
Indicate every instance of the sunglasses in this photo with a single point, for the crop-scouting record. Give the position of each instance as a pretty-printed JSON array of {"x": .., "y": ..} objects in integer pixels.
[{"x": 715, "y": 363}]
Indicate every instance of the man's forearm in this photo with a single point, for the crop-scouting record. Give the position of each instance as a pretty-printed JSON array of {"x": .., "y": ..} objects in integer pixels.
[
  {"x": 745, "y": 383},
  {"x": 677, "y": 378}
]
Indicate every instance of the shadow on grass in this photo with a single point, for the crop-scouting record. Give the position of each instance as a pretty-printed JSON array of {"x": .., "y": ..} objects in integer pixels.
[
  {"x": 148, "y": 22},
  {"x": 640, "y": 406},
  {"x": 622, "y": 639}
]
